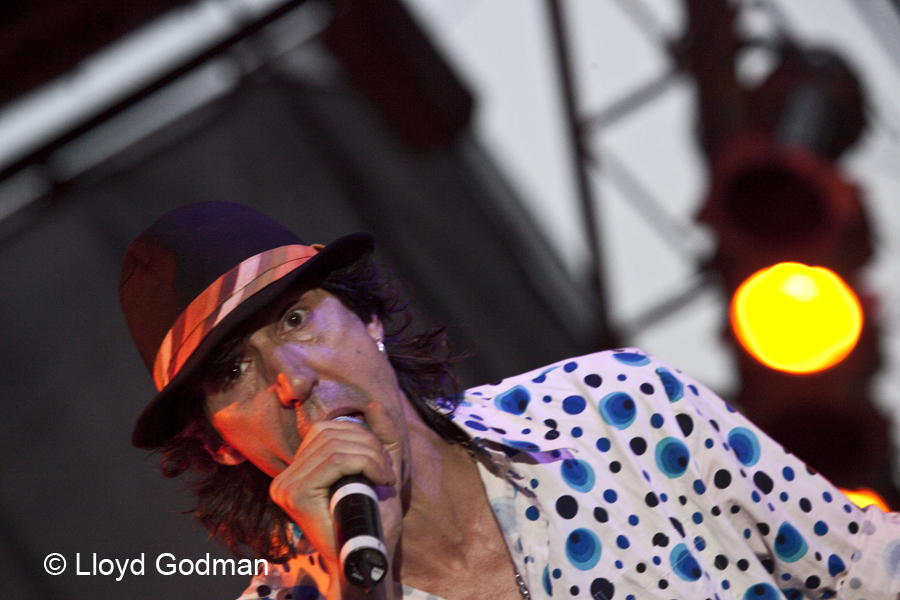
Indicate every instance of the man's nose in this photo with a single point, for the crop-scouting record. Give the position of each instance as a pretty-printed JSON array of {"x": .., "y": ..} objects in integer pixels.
[{"x": 292, "y": 378}]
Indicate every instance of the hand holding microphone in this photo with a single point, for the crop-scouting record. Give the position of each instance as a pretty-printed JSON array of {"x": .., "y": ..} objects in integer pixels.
[{"x": 329, "y": 452}]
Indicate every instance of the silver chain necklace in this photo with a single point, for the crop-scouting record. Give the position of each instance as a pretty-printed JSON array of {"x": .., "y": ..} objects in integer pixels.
[{"x": 523, "y": 589}]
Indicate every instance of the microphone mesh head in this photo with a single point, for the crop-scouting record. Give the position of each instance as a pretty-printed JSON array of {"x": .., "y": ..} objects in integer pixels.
[{"x": 350, "y": 419}]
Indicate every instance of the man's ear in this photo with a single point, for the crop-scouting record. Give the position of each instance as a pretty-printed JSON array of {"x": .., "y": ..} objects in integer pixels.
[
  {"x": 375, "y": 329},
  {"x": 226, "y": 455}
]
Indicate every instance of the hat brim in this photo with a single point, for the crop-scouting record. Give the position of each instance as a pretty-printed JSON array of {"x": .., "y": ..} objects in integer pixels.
[{"x": 159, "y": 422}]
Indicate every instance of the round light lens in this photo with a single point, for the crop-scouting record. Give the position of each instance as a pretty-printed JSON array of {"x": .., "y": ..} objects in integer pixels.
[{"x": 796, "y": 318}]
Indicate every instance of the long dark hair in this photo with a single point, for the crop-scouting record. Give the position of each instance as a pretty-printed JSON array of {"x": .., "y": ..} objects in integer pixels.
[{"x": 233, "y": 501}]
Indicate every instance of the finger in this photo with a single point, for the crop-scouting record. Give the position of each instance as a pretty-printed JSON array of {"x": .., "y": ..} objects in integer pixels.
[
  {"x": 335, "y": 445},
  {"x": 381, "y": 424},
  {"x": 315, "y": 480}
]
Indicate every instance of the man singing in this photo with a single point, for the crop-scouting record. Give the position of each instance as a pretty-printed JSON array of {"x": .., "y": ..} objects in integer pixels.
[{"x": 605, "y": 476}]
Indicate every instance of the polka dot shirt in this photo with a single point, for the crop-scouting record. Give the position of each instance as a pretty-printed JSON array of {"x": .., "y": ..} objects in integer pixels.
[{"x": 615, "y": 476}]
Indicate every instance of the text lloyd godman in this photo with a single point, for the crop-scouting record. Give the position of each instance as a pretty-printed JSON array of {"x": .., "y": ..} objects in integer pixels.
[{"x": 166, "y": 564}]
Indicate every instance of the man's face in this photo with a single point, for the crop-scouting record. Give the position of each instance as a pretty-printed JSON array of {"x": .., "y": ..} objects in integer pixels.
[{"x": 310, "y": 359}]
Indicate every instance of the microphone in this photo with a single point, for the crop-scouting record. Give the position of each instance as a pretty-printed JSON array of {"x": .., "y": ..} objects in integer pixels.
[{"x": 357, "y": 527}]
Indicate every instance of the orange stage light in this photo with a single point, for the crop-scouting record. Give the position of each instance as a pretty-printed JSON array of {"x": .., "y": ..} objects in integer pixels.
[
  {"x": 864, "y": 497},
  {"x": 796, "y": 318}
]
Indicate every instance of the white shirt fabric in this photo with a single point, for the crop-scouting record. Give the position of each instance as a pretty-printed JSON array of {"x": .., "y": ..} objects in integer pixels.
[{"x": 616, "y": 476}]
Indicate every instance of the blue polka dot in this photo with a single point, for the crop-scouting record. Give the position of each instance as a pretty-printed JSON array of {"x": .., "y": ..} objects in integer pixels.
[
  {"x": 657, "y": 420},
  {"x": 622, "y": 542},
  {"x": 783, "y": 496},
  {"x": 672, "y": 457},
  {"x": 543, "y": 376},
  {"x": 514, "y": 400},
  {"x": 693, "y": 388},
  {"x": 522, "y": 445},
  {"x": 547, "y": 399},
  {"x": 532, "y": 513},
  {"x": 762, "y": 591},
  {"x": 583, "y": 549},
  {"x": 305, "y": 592},
  {"x": 574, "y": 405},
  {"x": 835, "y": 565},
  {"x": 570, "y": 366},
  {"x": 619, "y": 564},
  {"x": 699, "y": 487},
  {"x": 577, "y": 432},
  {"x": 747, "y": 534},
  {"x": 610, "y": 496},
  {"x": 621, "y": 377},
  {"x": 826, "y": 496},
  {"x": 656, "y": 560},
  {"x": 891, "y": 558},
  {"x": 745, "y": 445},
  {"x": 697, "y": 518},
  {"x": 557, "y": 573},
  {"x": 674, "y": 388},
  {"x": 699, "y": 543},
  {"x": 534, "y": 483},
  {"x": 684, "y": 564},
  {"x": 476, "y": 425},
  {"x": 788, "y": 473},
  {"x": 577, "y": 474},
  {"x": 618, "y": 410},
  {"x": 663, "y": 497},
  {"x": 789, "y": 544},
  {"x": 526, "y": 431},
  {"x": 603, "y": 445},
  {"x": 820, "y": 528},
  {"x": 633, "y": 520},
  {"x": 545, "y": 580},
  {"x": 754, "y": 495},
  {"x": 726, "y": 584},
  {"x": 631, "y": 358},
  {"x": 847, "y": 508}
]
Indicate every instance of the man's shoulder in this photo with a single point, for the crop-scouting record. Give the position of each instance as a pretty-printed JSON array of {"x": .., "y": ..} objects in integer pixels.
[
  {"x": 615, "y": 368},
  {"x": 537, "y": 410}
]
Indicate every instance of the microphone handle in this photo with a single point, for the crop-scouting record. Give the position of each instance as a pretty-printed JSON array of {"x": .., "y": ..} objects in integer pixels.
[{"x": 357, "y": 528}]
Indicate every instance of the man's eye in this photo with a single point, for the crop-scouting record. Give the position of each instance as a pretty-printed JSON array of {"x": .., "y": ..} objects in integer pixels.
[
  {"x": 292, "y": 319},
  {"x": 235, "y": 371}
]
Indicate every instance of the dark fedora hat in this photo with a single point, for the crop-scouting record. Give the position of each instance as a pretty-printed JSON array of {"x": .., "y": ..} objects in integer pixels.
[{"x": 197, "y": 273}]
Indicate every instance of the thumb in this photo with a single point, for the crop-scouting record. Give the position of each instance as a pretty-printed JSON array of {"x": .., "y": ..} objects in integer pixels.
[{"x": 385, "y": 429}]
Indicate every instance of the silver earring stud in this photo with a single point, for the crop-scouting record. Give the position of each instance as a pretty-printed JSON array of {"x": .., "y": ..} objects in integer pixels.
[{"x": 380, "y": 345}]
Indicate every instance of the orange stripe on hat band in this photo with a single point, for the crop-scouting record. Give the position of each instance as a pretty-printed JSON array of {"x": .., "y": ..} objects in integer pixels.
[{"x": 217, "y": 301}]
